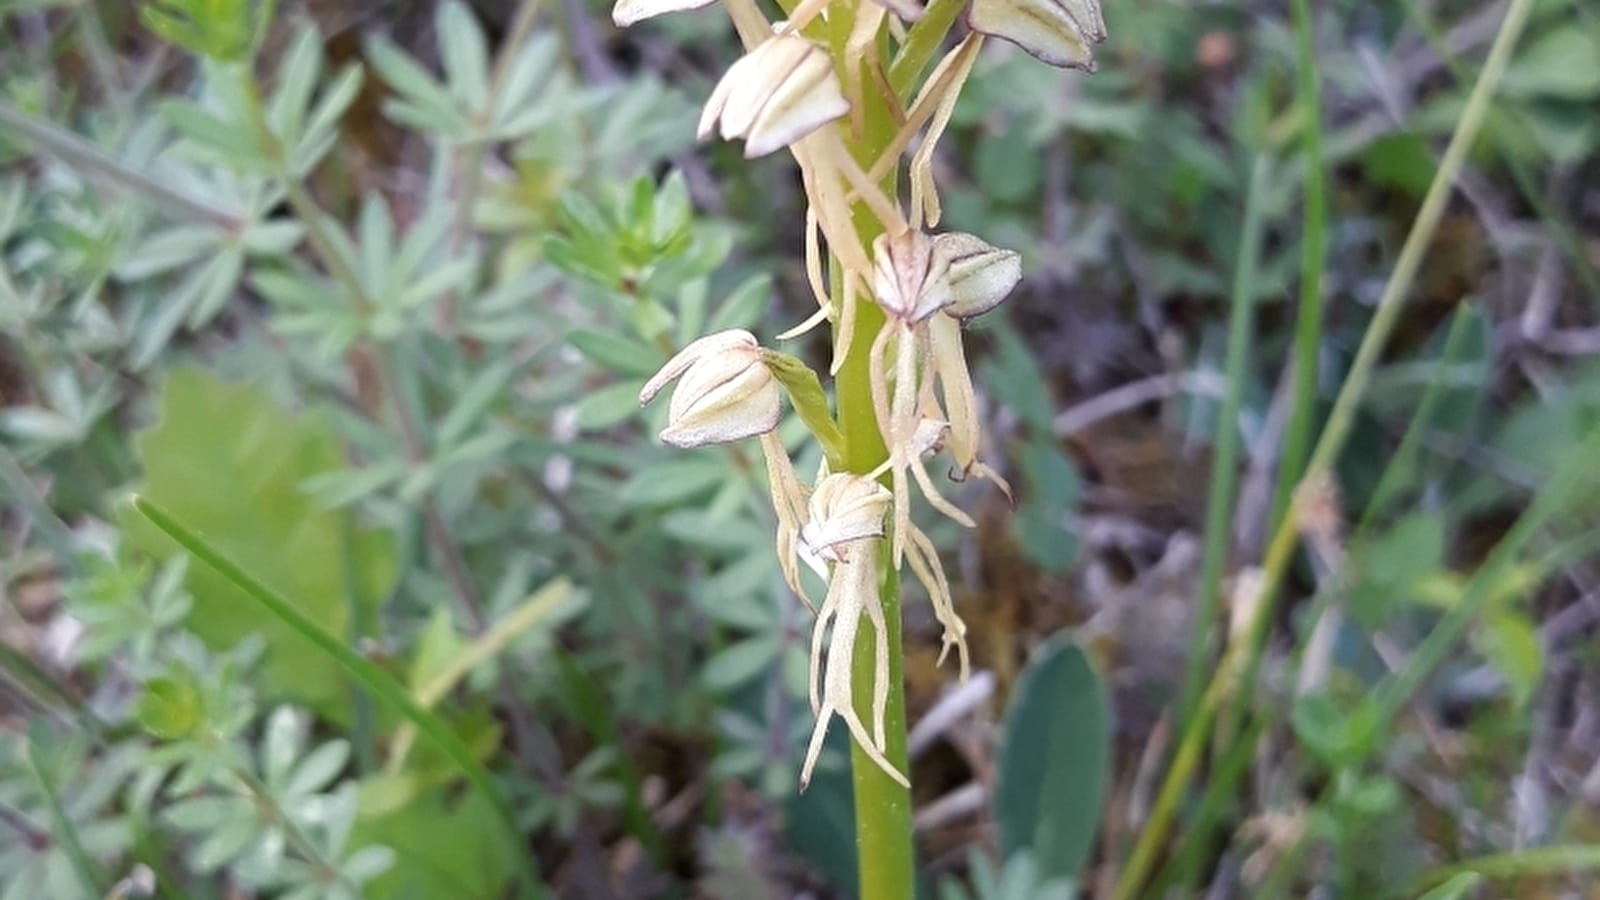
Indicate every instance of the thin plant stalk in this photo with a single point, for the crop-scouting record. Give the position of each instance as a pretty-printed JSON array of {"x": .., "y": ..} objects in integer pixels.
[
  {"x": 1517, "y": 864},
  {"x": 1308, "y": 324},
  {"x": 1186, "y": 762},
  {"x": 1225, "y": 456},
  {"x": 1567, "y": 238}
]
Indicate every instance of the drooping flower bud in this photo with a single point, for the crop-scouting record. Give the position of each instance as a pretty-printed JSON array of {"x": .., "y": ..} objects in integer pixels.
[
  {"x": 627, "y": 12},
  {"x": 726, "y": 392},
  {"x": 981, "y": 274},
  {"x": 774, "y": 95},
  {"x": 1058, "y": 32},
  {"x": 911, "y": 278}
]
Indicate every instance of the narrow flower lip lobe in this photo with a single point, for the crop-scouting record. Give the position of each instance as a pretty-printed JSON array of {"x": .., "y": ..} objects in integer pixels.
[
  {"x": 981, "y": 274},
  {"x": 630, "y": 12}
]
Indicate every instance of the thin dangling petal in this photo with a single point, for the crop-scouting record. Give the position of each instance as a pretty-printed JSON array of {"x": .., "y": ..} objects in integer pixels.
[
  {"x": 847, "y": 325},
  {"x": 925, "y": 207},
  {"x": 811, "y": 321},
  {"x": 789, "y": 503}
]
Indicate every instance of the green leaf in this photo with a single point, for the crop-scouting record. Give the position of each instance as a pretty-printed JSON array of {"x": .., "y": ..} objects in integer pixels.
[
  {"x": 444, "y": 847},
  {"x": 745, "y": 305},
  {"x": 1392, "y": 564},
  {"x": 738, "y": 663},
  {"x": 229, "y": 463},
  {"x": 608, "y": 406},
  {"x": 1510, "y": 642},
  {"x": 622, "y": 355},
  {"x": 224, "y": 139},
  {"x": 169, "y": 708},
  {"x": 1563, "y": 63},
  {"x": 810, "y": 403},
  {"x": 1336, "y": 737},
  {"x": 1015, "y": 378},
  {"x": 673, "y": 481},
  {"x": 466, "y": 57},
  {"x": 1054, "y": 760},
  {"x": 1050, "y": 493},
  {"x": 1456, "y": 888}
]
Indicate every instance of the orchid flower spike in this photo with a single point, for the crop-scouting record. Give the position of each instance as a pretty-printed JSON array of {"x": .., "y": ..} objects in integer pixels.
[
  {"x": 725, "y": 391},
  {"x": 1058, "y": 32},
  {"x": 776, "y": 94}
]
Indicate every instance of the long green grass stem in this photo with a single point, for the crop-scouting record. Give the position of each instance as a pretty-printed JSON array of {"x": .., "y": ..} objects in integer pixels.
[
  {"x": 1567, "y": 238},
  {"x": 1314, "y": 214},
  {"x": 1334, "y": 434},
  {"x": 1225, "y": 453},
  {"x": 1517, "y": 864},
  {"x": 374, "y": 679}
]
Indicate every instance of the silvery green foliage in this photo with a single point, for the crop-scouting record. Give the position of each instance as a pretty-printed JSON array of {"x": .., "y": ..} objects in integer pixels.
[
  {"x": 283, "y": 824},
  {"x": 59, "y": 806},
  {"x": 521, "y": 309}
]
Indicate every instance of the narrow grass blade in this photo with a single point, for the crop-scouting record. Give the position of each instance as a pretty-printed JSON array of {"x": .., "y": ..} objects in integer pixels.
[
  {"x": 1330, "y": 444},
  {"x": 1555, "y": 860},
  {"x": 1225, "y": 454},
  {"x": 382, "y": 686},
  {"x": 1308, "y": 325}
]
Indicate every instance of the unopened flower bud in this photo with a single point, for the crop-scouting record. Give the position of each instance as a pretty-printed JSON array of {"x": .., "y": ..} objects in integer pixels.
[
  {"x": 981, "y": 274},
  {"x": 843, "y": 508},
  {"x": 1058, "y": 32},
  {"x": 725, "y": 393},
  {"x": 774, "y": 95},
  {"x": 911, "y": 278}
]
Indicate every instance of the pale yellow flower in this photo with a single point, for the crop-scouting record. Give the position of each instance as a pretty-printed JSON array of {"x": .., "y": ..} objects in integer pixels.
[
  {"x": 776, "y": 94},
  {"x": 725, "y": 391}
]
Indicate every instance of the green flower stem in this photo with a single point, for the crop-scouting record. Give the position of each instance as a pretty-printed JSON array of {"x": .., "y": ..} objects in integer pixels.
[{"x": 882, "y": 806}]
